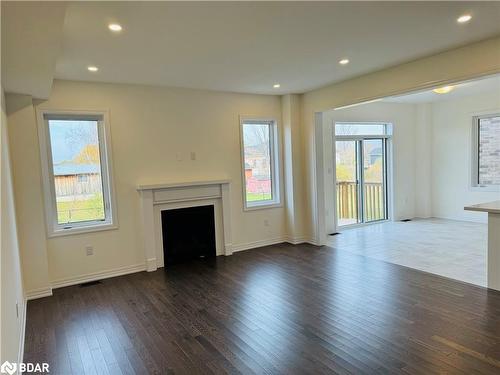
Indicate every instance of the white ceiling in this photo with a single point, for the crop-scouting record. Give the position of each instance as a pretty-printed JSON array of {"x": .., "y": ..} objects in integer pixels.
[
  {"x": 489, "y": 84},
  {"x": 247, "y": 47},
  {"x": 240, "y": 47},
  {"x": 31, "y": 44}
]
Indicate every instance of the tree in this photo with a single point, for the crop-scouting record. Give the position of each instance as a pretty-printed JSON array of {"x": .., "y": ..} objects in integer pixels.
[{"x": 89, "y": 154}]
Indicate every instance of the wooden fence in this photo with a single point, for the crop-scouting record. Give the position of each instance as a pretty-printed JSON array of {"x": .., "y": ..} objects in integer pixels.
[{"x": 347, "y": 200}]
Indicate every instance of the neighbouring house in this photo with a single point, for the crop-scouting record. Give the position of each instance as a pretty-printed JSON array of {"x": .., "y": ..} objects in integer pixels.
[
  {"x": 375, "y": 155},
  {"x": 248, "y": 171},
  {"x": 257, "y": 172},
  {"x": 76, "y": 179},
  {"x": 489, "y": 150}
]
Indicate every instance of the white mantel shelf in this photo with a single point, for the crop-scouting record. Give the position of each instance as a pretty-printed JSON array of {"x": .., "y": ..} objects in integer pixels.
[
  {"x": 493, "y": 260},
  {"x": 493, "y": 207},
  {"x": 170, "y": 185}
]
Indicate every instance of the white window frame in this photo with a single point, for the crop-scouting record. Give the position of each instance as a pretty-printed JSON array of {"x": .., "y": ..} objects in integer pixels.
[
  {"x": 54, "y": 229},
  {"x": 275, "y": 164},
  {"x": 388, "y": 170},
  {"x": 474, "y": 175}
]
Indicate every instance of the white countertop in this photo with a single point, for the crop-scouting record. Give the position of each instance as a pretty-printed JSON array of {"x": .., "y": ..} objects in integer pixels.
[
  {"x": 491, "y": 207},
  {"x": 182, "y": 184}
]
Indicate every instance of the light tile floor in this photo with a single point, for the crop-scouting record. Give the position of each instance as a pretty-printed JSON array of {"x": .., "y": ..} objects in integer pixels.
[{"x": 454, "y": 249}]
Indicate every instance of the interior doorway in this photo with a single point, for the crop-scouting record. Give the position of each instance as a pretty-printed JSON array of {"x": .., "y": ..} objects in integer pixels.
[
  {"x": 439, "y": 150},
  {"x": 361, "y": 172}
]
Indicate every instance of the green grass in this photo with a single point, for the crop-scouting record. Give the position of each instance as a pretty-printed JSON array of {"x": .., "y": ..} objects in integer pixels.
[
  {"x": 252, "y": 197},
  {"x": 81, "y": 210}
]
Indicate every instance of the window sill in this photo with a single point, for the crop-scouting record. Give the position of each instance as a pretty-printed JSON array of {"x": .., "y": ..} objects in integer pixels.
[
  {"x": 485, "y": 189},
  {"x": 262, "y": 206},
  {"x": 82, "y": 230}
]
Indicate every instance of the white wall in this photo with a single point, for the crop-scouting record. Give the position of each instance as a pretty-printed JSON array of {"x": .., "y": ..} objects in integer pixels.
[
  {"x": 403, "y": 118},
  {"x": 290, "y": 107},
  {"x": 423, "y": 160},
  {"x": 451, "y": 156},
  {"x": 12, "y": 318},
  {"x": 25, "y": 158},
  {"x": 149, "y": 126}
]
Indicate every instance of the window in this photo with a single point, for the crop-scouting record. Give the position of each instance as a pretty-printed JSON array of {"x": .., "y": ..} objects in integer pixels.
[
  {"x": 486, "y": 151},
  {"x": 83, "y": 178},
  {"x": 260, "y": 163},
  {"x": 363, "y": 128},
  {"x": 77, "y": 173}
]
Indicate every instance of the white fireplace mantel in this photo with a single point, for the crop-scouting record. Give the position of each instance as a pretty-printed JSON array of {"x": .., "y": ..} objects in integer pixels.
[{"x": 181, "y": 193}]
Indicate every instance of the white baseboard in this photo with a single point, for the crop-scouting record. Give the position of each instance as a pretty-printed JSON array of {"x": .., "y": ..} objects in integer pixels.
[
  {"x": 20, "y": 354},
  {"x": 482, "y": 218},
  {"x": 272, "y": 241},
  {"x": 151, "y": 264},
  {"x": 255, "y": 244},
  {"x": 299, "y": 240},
  {"x": 38, "y": 293},
  {"x": 98, "y": 275}
]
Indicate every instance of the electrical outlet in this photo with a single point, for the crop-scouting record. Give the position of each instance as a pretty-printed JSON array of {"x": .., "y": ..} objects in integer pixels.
[
  {"x": 266, "y": 223},
  {"x": 89, "y": 250},
  {"x": 193, "y": 155}
]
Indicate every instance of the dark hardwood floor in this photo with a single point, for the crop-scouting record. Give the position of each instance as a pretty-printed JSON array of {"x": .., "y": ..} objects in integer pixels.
[{"x": 281, "y": 309}]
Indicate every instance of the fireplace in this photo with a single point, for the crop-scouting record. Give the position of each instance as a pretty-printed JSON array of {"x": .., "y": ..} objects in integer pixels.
[
  {"x": 188, "y": 234},
  {"x": 156, "y": 202}
]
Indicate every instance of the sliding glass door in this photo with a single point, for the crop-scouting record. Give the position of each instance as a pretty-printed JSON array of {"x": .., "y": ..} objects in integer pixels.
[
  {"x": 347, "y": 173},
  {"x": 374, "y": 186},
  {"x": 361, "y": 178}
]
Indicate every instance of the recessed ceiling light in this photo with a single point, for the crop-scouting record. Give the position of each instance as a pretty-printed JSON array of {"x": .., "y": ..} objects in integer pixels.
[
  {"x": 344, "y": 62},
  {"x": 276, "y": 85},
  {"x": 464, "y": 18},
  {"x": 115, "y": 27},
  {"x": 443, "y": 90},
  {"x": 92, "y": 68}
]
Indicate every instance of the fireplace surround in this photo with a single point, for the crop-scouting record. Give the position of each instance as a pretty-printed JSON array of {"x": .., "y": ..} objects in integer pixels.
[{"x": 160, "y": 197}]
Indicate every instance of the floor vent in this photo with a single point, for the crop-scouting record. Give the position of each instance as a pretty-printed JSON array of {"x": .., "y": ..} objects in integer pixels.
[
  {"x": 90, "y": 283},
  {"x": 405, "y": 220}
]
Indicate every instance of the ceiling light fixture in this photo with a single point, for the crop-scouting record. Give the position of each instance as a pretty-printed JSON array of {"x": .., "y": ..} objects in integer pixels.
[
  {"x": 276, "y": 85},
  {"x": 344, "y": 62},
  {"x": 115, "y": 27},
  {"x": 464, "y": 18},
  {"x": 443, "y": 90},
  {"x": 92, "y": 68}
]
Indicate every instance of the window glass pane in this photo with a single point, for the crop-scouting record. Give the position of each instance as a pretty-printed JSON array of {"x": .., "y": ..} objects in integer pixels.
[
  {"x": 347, "y": 182},
  {"x": 489, "y": 151},
  {"x": 359, "y": 129},
  {"x": 373, "y": 180},
  {"x": 257, "y": 151},
  {"x": 77, "y": 170}
]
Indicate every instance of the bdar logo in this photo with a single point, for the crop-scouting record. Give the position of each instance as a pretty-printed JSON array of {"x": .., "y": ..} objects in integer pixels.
[{"x": 8, "y": 368}]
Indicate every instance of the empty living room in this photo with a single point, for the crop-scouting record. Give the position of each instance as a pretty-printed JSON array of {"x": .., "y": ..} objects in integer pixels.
[{"x": 255, "y": 187}]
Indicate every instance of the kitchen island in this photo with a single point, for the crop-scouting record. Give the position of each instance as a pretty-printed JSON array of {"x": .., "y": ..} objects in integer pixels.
[{"x": 493, "y": 260}]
